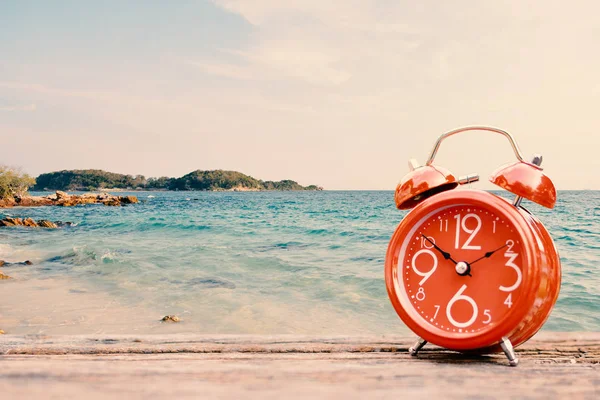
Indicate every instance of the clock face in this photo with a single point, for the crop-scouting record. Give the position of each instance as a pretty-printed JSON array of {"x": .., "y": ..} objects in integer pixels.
[{"x": 460, "y": 269}]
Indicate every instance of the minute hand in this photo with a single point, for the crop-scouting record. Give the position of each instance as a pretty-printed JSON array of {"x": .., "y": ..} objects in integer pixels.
[
  {"x": 445, "y": 254},
  {"x": 488, "y": 254}
]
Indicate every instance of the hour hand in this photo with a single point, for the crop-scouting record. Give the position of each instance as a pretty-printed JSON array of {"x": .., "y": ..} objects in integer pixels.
[{"x": 444, "y": 253}]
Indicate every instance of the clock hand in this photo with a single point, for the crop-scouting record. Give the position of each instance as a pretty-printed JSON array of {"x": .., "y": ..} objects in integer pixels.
[
  {"x": 488, "y": 254},
  {"x": 445, "y": 254}
]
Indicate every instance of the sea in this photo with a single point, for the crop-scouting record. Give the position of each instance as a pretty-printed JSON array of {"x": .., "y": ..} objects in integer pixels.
[{"x": 245, "y": 263}]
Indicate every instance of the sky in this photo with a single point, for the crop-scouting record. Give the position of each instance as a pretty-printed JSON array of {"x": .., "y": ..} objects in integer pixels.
[{"x": 335, "y": 93}]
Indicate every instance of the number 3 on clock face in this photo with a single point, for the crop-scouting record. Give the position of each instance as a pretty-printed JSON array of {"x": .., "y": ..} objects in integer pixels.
[{"x": 459, "y": 269}]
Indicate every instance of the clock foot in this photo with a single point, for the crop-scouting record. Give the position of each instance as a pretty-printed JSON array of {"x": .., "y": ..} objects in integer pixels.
[
  {"x": 508, "y": 349},
  {"x": 414, "y": 350}
]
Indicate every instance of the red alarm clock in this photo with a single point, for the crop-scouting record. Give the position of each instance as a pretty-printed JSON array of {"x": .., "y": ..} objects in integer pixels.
[{"x": 468, "y": 270}]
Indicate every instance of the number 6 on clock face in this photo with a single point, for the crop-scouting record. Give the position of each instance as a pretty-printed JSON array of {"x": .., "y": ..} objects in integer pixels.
[{"x": 460, "y": 296}]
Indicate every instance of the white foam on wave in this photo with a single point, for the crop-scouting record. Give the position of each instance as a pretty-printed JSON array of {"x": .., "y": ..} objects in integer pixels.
[
  {"x": 9, "y": 253},
  {"x": 5, "y": 250}
]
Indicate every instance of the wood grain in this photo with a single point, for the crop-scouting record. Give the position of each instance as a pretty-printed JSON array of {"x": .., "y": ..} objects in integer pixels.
[{"x": 553, "y": 365}]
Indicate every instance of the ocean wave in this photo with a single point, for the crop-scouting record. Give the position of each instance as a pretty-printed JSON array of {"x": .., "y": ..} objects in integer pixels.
[
  {"x": 75, "y": 256},
  {"x": 243, "y": 262}
]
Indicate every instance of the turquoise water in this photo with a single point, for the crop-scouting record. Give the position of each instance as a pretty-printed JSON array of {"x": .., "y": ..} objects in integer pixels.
[{"x": 268, "y": 262}]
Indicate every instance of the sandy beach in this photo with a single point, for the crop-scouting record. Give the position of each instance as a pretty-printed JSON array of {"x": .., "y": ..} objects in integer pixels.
[{"x": 565, "y": 365}]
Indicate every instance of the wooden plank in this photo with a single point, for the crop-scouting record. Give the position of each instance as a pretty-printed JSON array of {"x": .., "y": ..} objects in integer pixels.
[{"x": 233, "y": 366}]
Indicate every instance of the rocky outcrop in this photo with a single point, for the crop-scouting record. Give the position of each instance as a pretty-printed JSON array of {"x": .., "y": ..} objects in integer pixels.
[
  {"x": 170, "y": 318},
  {"x": 128, "y": 199},
  {"x": 68, "y": 200},
  {"x": 32, "y": 201},
  {"x": 30, "y": 222},
  {"x": 6, "y": 203},
  {"x": 42, "y": 223},
  {"x": 8, "y": 264}
]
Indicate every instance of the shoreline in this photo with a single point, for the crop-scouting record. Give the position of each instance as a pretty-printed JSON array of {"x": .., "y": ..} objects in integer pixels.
[
  {"x": 553, "y": 365},
  {"x": 64, "y": 199}
]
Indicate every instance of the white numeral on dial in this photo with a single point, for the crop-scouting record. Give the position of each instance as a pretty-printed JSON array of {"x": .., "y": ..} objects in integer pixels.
[
  {"x": 460, "y": 296},
  {"x": 511, "y": 257},
  {"x": 510, "y": 244},
  {"x": 427, "y": 274},
  {"x": 443, "y": 223},
  {"x": 437, "y": 310},
  {"x": 427, "y": 243},
  {"x": 486, "y": 312},
  {"x": 472, "y": 232},
  {"x": 508, "y": 300}
]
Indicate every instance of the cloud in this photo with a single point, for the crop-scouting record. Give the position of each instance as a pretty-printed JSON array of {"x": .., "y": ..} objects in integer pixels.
[
  {"x": 279, "y": 60},
  {"x": 28, "y": 107},
  {"x": 319, "y": 43},
  {"x": 348, "y": 15},
  {"x": 224, "y": 70}
]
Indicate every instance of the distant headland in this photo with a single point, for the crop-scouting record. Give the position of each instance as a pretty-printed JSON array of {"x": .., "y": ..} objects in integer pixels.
[{"x": 215, "y": 180}]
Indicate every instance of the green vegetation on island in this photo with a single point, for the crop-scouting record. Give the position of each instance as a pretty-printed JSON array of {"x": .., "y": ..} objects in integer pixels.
[
  {"x": 13, "y": 182},
  {"x": 217, "y": 180}
]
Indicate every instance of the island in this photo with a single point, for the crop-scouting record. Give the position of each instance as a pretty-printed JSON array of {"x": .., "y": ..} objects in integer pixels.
[
  {"x": 14, "y": 186},
  {"x": 214, "y": 180}
]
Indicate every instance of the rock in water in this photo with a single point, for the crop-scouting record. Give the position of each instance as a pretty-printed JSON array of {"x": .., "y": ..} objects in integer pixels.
[
  {"x": 29, "y": 222},
  {"x": 8, "y": 264},
  {"x": 2, "y": 277},
  {"x": 2, "y": 332},
  {"x": 60, "y": 224},
  {"x": 33, "y": 201},
  {"x": 7, "y": 203},
  {"x": 61, "y": 195},
  {"x": 128, "y": 199},
  {"x": 171, "y": 318},
  {"x": 9, "y": 221},
  {"x": 44, "y": 223},
  {"x": 67, "y": 200}
]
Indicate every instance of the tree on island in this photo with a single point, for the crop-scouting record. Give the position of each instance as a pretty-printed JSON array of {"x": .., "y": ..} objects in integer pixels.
[
  {"x": 13, "y": 182},
  {"x": 88, "y": 179},
  {"x": 214, "y": 180}
]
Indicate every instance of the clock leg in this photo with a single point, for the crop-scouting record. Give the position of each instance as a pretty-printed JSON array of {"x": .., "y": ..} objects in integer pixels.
[
  {"x": 416, "y": 347},
  {"x": 508, "y": 349}
]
